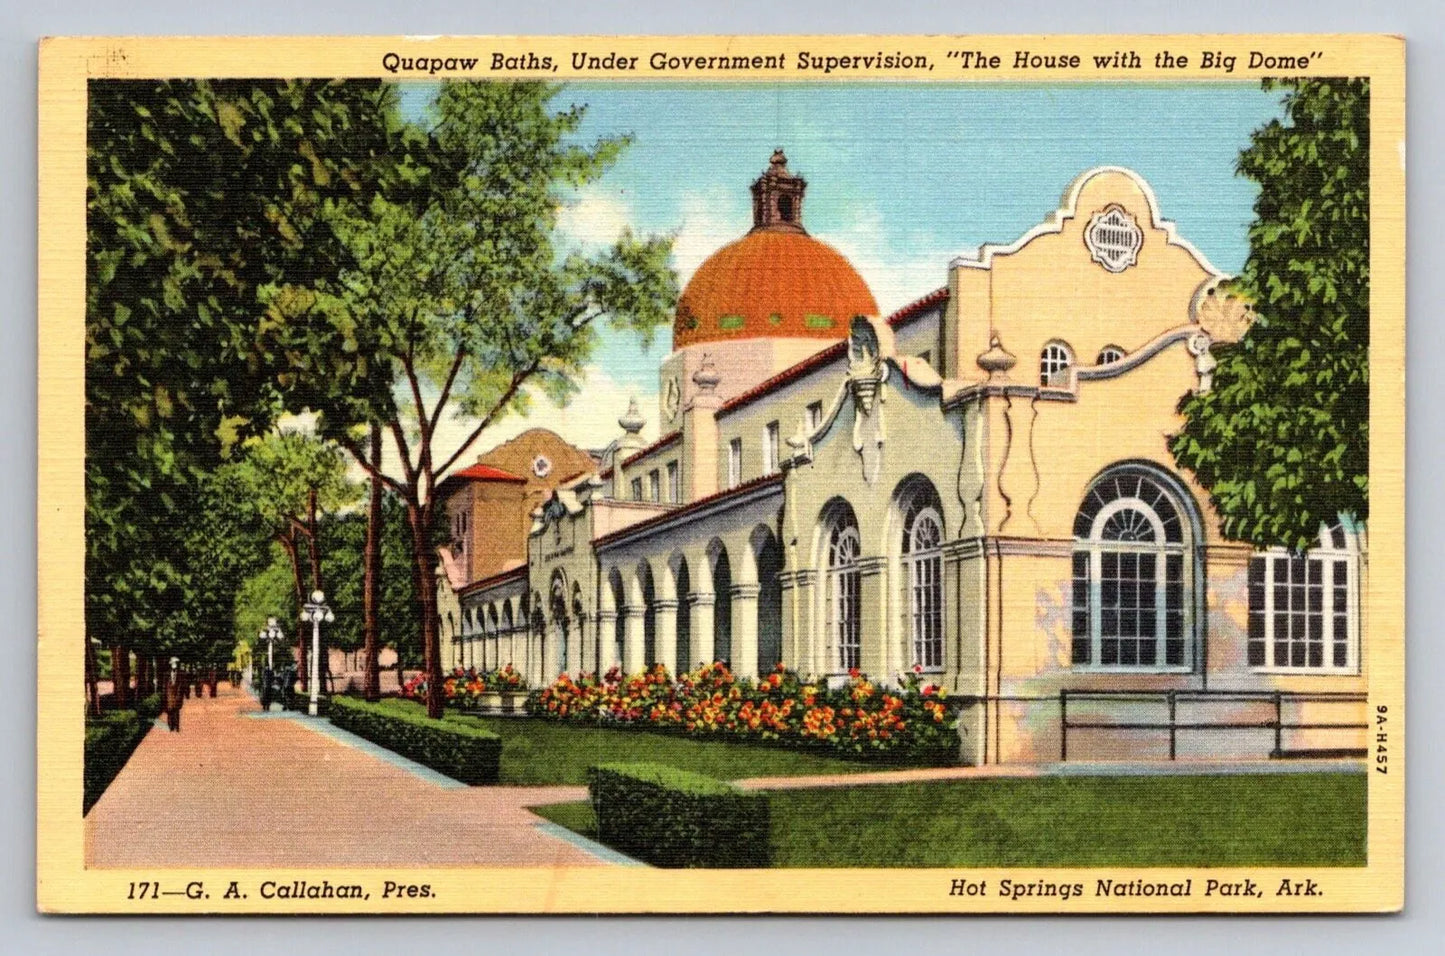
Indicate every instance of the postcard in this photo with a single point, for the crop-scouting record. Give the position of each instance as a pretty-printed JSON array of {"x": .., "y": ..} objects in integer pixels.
[{"x": 843, "y": 474}]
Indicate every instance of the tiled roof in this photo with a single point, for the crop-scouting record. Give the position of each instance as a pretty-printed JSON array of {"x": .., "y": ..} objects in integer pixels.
[
  {"x": 486, "y": 473},
  {"x": 689, "y": 508},
  {"x": 501, "y": 577},
  {"x": 906, "y": 314},
  {"x": 658, "y": 445}
]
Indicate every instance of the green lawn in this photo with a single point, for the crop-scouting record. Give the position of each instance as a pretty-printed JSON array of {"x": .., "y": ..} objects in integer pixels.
[
  {"x": 538, "y": 752},
  {"x": 1233, "y": 820}
]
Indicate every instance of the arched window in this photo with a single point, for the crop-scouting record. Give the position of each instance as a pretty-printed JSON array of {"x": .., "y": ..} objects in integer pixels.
[
  {"x": 922, "y": 540},
  {"x": 1304, "y": 608},
  {"x": 1131, "y": 579},
  {"x": 1109, "y": 354},
  {"x": 844, "y": 610},
  {"x": 1053, "y": 362}
]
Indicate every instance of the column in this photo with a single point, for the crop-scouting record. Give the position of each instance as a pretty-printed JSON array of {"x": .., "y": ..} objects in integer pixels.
[
  {"x": 745, "y": 629},
  {"x": 700, "y": 606},
  {"x": 665, "y": 613},
  {"x": 798, "y": 621},
  {"x": 552, "y": 663},
  {"x": 873, "y": 608},
  {"x": 634, "y": 641},
  {"x": 607, "y": 640}
]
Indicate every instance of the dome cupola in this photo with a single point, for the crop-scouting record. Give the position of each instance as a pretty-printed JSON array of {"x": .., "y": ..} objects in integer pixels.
[{"x": 774, "y": 282}]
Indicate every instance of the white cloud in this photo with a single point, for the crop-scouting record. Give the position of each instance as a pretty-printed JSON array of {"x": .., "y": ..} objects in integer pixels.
[
  {"x": 710, "y": 220},
  {"x": 594, "y": 219},
  {"x": 895, "y": 277}
]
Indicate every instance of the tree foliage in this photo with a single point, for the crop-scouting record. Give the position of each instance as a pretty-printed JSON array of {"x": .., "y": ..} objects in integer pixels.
[
  {"x": 465, "y": 299},
  {"x": 1282, "y": 439},
  {"x": 211, "y": 259}
]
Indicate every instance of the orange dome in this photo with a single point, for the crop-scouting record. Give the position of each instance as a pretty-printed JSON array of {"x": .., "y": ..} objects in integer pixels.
[{"x": 772, "y": 283}]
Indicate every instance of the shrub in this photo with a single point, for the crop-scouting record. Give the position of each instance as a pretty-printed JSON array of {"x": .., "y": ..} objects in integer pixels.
[
  {"x": 460, "y": 749},
  {"x": 149, "y": 708},
  {"x": 110, "y": 739},
  {"x": 674, "y": 818}
]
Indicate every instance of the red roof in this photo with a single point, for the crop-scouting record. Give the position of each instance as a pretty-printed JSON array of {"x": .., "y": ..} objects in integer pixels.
[
  {"x": 658, "y": 445},
  {"x": 486, "y": 473},
  {"x": 689, "y": 508},
  {"x": 906, "y": 314},
  {"x": 520, "y": 571}
]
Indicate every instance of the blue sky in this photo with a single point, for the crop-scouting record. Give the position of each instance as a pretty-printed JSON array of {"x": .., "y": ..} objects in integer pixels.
[{"x": 901, "y": 177}]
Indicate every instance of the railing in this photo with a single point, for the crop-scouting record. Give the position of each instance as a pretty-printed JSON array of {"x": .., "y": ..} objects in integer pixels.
[{"x": 1172, "y": 699}]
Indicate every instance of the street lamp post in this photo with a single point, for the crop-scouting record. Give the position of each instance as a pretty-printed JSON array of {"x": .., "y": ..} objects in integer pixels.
[
  {"x": 316, "y": 611},
  {"x": 271, "y": 634}
]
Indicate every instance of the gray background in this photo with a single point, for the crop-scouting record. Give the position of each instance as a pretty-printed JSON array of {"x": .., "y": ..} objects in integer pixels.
[{"x": 23, "y": 22}]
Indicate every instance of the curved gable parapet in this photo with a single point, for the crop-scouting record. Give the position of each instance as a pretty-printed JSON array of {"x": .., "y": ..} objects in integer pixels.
[{"x": 1068, "y": 209}]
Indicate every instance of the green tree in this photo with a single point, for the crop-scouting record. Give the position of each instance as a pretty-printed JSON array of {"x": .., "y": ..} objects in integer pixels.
[
  {"x": 288, "y": 479},
  {"x": 463, "y": 295},
  {"x": 211, "y": 257},
  {"x": 1282, "y": 439},
  {"x": 343, "y": 539}
]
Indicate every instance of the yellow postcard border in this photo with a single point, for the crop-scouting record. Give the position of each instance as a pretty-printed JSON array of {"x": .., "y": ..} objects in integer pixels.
[{"x": 64, "y": 885}]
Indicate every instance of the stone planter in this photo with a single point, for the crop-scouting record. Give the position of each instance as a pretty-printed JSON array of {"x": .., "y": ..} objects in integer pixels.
[
  {"x": 490, "y": 702},
  {"x": 514, "y": 701}
]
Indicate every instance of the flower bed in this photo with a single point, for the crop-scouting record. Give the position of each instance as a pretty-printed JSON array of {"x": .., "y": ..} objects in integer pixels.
[
  {"x": 860, "y": 719},
  {"x": 468, "y": 689}
]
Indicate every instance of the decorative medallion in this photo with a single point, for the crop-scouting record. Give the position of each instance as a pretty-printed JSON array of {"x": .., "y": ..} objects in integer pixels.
[
  {"x": 1114, "y": 238},
  {"x": 541, "y": 466},
  {"x": 671, "y": 398}
]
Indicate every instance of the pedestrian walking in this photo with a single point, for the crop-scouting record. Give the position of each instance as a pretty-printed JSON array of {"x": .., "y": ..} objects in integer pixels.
[{"x": 174, "y": 696}]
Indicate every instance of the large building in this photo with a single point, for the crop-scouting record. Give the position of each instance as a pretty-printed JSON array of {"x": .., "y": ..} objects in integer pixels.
[{"x": 977, "y": 487}]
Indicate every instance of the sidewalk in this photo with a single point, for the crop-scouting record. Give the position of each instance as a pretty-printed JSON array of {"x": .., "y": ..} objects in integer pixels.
[{"x": 231, "y": 790}]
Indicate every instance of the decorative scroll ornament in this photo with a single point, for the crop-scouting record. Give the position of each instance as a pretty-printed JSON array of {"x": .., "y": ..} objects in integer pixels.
[
  {"x": 866, "y": 370},
  {"x": 866, "y": 374},
  {"x": 671, "y": 398},
  {"x": 1114, "y": 238},
  {"x": 1204, "y": 362}
]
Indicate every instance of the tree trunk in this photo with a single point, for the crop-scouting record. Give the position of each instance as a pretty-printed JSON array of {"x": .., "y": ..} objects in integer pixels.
[
  {"x": 371, "y": 580},
  {"x": 419, "y": 518},
  {"x": 142, "y": 669},
  {"x": 120, "y": 675},
  {"x": 92, "y": 677},
  {"x": 288, "y": 541}
]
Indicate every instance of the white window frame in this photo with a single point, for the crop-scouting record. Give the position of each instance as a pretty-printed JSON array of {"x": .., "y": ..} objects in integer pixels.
[
  {"x": 674, "y": 483},
  {"x": 1056, "y": 359},
  {"x": 735, "y": 462},
  {"x": 637, "y": 488},
  {"x": 1263, "y": 620},
  {"x": 770, "y": 448},
  {"x": 924, "y": 562},
  {"x": 1110, "y": 354},
  {"x": 844, "y": 597},
  {"x": 1095, "y": 547},
  {"x": 654, "y": 485}
]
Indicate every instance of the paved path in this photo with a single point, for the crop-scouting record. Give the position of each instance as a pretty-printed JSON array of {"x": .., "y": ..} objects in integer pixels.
[{"x": 238, "y": 788}]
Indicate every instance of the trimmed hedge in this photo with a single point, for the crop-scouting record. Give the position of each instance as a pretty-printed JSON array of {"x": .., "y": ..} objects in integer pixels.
[
  {"x": 674, "y": 818},
  {"x": 461, "y": 750},
  {"x": 110, "y": 739}
]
